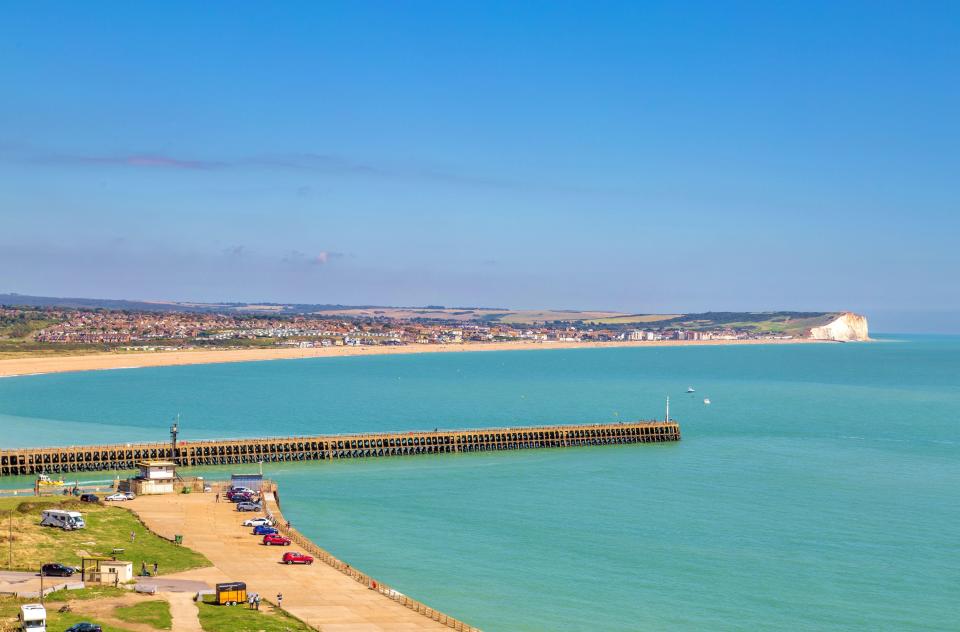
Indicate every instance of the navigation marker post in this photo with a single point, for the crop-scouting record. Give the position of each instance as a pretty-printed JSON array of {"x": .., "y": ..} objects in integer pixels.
[{"x": 174, "y": 430}]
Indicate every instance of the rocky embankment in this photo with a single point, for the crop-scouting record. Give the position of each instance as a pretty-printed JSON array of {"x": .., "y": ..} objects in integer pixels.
[{"x": 846, "y": 327}]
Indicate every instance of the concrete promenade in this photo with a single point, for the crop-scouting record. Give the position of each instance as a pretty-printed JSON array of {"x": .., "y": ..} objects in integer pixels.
[{"x": 318, "y": 594}]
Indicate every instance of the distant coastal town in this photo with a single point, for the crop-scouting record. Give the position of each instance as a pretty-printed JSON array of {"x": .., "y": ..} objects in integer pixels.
[
  {"x": 139, "y": 330},
  {"x": 49, "y": 335}
]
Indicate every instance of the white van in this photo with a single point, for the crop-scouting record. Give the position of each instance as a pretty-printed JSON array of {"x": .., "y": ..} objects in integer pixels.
[
  {"x": 33, "y": 618},
  {"x": 63, "y": 519}
]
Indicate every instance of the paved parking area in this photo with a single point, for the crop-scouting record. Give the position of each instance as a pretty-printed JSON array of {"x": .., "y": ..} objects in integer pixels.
[{"x": 318, "y": 594}]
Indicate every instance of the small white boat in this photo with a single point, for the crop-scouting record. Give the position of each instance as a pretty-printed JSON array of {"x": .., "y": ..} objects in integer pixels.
[
  {"x": 690, "y": 389},
  {"x": 706, "y": 401}
]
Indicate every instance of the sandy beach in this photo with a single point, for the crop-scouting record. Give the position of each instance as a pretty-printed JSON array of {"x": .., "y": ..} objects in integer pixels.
[{"x": 130, "y": 360}]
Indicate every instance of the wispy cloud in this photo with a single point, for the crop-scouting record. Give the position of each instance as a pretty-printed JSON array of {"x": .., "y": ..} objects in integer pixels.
[
  {"x": 293, "y": 256},
  {"x": 301, "y": 161},
  {"x": 236, "y": 251},
  {"x": 301, "y": 258},
  {"x": 323, "y": 257},
  {"x": 326, "y": 163},
  {"x": 306, "y": 162},
  {"x": 150, "y": 161}
]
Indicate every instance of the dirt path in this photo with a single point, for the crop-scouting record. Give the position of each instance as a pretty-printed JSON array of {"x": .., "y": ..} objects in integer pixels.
[
  {"x": 318, "y": 594},
  {"x": 184, "y": 612},
  {"x": 102, "y": 610}
]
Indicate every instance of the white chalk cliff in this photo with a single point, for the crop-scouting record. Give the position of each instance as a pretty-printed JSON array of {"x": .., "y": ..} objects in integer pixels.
[{"x": 846, "y": 327}]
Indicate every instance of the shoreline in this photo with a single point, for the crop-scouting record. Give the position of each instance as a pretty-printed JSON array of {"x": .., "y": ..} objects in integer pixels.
[
  {"x": 273, "y": 511},
  {"x": 327, "y": 595},
  {"x": 41, "y": 365}
]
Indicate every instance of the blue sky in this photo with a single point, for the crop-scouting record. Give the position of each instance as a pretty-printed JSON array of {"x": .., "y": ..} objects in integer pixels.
[{"x": 635, "y": 156}]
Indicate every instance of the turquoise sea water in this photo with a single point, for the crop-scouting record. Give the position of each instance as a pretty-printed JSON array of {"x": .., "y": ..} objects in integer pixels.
[{"x": 820, "y": 490}]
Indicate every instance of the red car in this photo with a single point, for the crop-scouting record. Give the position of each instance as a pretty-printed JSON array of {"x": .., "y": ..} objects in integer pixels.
[
  {"x": 297, "y": 558},
  {"x": 273, "y": 539}
]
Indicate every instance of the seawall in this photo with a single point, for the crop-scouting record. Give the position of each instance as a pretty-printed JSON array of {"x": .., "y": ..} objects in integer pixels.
[
  {"x": 272, "y": 509},
  {"x": 321, "y": 595},
  {"x": 56, "y": 460}
]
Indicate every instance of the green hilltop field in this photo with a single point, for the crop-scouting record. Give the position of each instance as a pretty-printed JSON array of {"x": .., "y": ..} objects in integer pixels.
[{"x": 793, "y": 323}]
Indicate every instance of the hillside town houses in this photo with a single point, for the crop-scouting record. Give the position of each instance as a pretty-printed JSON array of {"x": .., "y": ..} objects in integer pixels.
[{"x": 156, "y": 330}]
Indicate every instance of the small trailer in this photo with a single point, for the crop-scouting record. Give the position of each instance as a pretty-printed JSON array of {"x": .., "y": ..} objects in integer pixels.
[
  {"x": 67, "y": 520},
  {"x": 231, "y": 593}
]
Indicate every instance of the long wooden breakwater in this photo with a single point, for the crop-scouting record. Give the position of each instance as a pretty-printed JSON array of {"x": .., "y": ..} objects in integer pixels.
[{"x": 56, "y": 460}]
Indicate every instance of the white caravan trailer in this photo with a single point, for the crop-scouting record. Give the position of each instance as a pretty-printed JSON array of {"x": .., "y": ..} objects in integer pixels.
[
  {"x": 63, "y": 519},
  {"x": 32, "y": 618}
]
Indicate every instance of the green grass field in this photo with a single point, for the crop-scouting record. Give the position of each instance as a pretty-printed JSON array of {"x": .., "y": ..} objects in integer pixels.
[
  {"x": 215, "y": 618},
  {"x": 107, "y": 528},
  {"x": 634, "y": 319},
  {"x": 776, "y": 324},
  {"x": 527, "y": 317},
  {"x": 153, "y": 613}
]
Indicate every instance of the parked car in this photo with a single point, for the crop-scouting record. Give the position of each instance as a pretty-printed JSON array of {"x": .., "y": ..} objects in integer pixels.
[
  {"x": 249, "y": 507},
  {"x": 119, "y": 496},
  {"x": 257, "y": 522},
  {"x": 89, "y": 498},
  {"x": 56, "y": 569},
  {"x": 297, "y": 558},
  {"x": 83, "y": 626},
  {"x": 276, "y": 540},
  {"x": 265, "y": 530},
  {"x": 130, "y": 495},
  {"x": 241, "y": 490}
]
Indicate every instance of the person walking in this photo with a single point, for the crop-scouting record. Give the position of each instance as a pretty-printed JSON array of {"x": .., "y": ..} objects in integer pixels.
[
  {"x": 256, "y": 601},
  {"x": 218, "y": 496},
  {"x": 155, "y": 567},
  {"x": 143, "y": 569},
  {"x": 133, "y": 536},
  {"x": 280, "y": 600}
]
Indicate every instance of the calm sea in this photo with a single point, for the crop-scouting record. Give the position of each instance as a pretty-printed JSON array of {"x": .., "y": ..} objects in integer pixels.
[{"x": 819, "y": 490}]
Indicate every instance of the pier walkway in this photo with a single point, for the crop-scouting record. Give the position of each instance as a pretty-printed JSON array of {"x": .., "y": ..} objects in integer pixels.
[
  {"x": 58, "y": 460},
  {"x": 318, "y": 594}
]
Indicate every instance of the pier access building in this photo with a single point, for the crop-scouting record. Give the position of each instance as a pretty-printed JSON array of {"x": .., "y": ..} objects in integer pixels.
[{"x": 155, "y": 477}]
